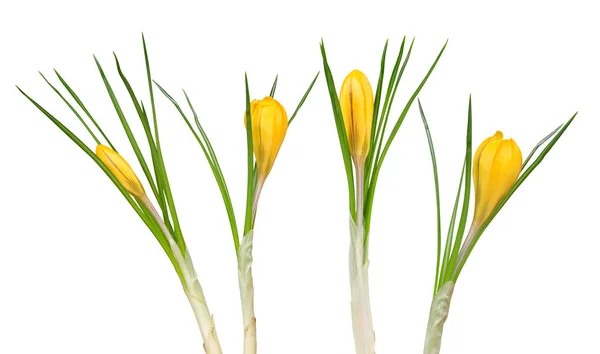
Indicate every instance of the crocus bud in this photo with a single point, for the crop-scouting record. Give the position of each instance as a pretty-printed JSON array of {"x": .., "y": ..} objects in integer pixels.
[
  {"x": 269, "y": 125},
  {"x": 356, "y": 100},
  {"x": 121, "y": 169},
  {"x": 496, "y": 167}
]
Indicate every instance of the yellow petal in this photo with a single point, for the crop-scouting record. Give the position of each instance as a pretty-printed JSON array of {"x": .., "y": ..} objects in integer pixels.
[
  {"x": 496, "y": 167},
  {"x": 269, "y": 126},
  {"x": 121, "y": 170},
  {"x": 497, "y": 136},
  {"x": 356, "y": 101}
]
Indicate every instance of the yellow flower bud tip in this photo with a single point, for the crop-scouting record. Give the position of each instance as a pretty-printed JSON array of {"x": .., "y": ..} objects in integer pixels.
[
  {"x": 356, "y": 101},
  {"x": 269, "y": 125},
  {"x": 121, "y": 170},
  {"x": 496, "y": 167}
]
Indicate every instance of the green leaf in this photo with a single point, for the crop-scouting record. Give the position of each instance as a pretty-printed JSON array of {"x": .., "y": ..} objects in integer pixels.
[
  {"x": 379, "y": 162},
  {"x": 140, "y": 210},
  {"x": 177, "y": 235},
  {"x": 341, "y": 130},
  {"x": 513, "y": 189},
  {"x": 538, "y": 145},
  {"x": 249, "y": 220},
  {"x": 437, "y": 195},
  {"x": 303, "y": 99},
  {"x": 374, "y": 125},
  {"x": 85, "y": 110},
  {"x": 466, "y": 198},
  {"x": 211, "y": 158},
  {"x": 218, "y": 173},
  {"x": 378, "y": 91},
  {"x": 389, "y": 98},
  {"x": 146, "y": 125},
  {"x": 161, "y": 170},
  {"x": 451, "y": 229},
  {"x": 125, "y": 124},
  {"x": 72, "y": 109},
  {"x": 274, "y": 87}
]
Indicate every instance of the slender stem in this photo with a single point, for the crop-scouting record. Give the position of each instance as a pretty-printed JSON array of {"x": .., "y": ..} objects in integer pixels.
[
  {"x": 362, "y": 323},
  {"x": 258, "y": 189},
  {"x": 440, "y": 306},
  {"x": 360, "y": 192},
  {"x": 246, "y": 284},
  {"x": 463, "y": 250},
  {"x": 245, "y": 279},
  {"x": 191, "y": 286}
]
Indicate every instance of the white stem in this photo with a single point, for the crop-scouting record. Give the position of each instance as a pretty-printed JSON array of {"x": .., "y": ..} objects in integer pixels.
[
  {"x": 259, "y": 186},
  {"x": 192, "y": 288},
  {"x": 465, "y": 246},
  {"x": 362, "y": 322},
  {"x": 440, "y": 306},
  {"x": 360, "y": 191},
  {"x": 246, "y": 284}
]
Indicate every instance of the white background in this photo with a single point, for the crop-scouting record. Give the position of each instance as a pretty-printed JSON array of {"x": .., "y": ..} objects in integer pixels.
[{"x": 79, "y": 273}]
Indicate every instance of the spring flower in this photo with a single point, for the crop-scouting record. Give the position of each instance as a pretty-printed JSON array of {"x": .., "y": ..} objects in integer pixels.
[
  {"x": 496, "y": 167},
  {"x": 269, "y": 125},
  {"x": 356, "y": 101},
  {"x": 121, "y": 169}
]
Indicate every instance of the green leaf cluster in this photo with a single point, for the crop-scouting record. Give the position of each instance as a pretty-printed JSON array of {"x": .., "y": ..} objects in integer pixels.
[
  {"x": 211, "y": 157},
  {"x": 448, "y": 264},
  {"x": 381, "y": 140},
  {"x": 153, "y": 166}
]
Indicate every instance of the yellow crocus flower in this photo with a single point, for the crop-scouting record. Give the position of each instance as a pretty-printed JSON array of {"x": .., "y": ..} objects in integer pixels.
[
  {"x": 496, "y": 167},
  {"x": 356, "y": 101},
  {"x": 121, "y": 169},
  {"x": 269, "y": 125}
]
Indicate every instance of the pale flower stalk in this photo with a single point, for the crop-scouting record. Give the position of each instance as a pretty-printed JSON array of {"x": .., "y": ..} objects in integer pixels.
[
  {"x": 192, "y": 288},
  {"x": 246, "y": 284},
  {"x": 269, "y": 127},
  {"x": 440, "y": 306},
  {"x": 356, "y": 102},
  {"x": 496, "y": 167},
  {"x": 129, "y": 180},
  {"x": 362, "y": 322}
]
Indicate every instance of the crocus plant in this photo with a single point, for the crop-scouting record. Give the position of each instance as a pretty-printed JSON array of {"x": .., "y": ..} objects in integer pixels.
[
  {"x": 266, "y": 122},
  {"x": 361, "y": 116},
  {"x": 361, "y": 120},
  {"x": 498, "y": 170}
]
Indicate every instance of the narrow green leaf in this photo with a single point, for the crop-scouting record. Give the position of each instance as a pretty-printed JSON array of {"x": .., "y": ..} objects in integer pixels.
[
  {"x": 451, "y": 229},
  {"x": 218, "y": 173},
  {"x": 437, "y": 195},
  {"x": 72, "y": 109},
  {"x": 151, "y": 92},
  {"x": 379, "y": 162},
  {"x": 142, "y": 213},
  {"x": 303, "y": 99},
  {"x": 341, "y": 130},
  {"x": 389, "y": 96},
  {"x": 274, "y": 87},
  {"x": 513, "y": 189},
  {"x": 126, "y": 127},
  {"x": 393, "y": 83},
  {"x": 540, "y": 143},
  {"x": 211, "y": 158},
  {"x": 177, "y": 235},
  {"x": 466, "y": 198},
  {"x": 248, "y": 223},
  {"x": 85, "y": 110},
  {"x": 145, "y": 124},
  {"x": 374, "y": 124},
  {"x": 162, "y": 171},
  {"x": 378, "y": 91}
]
